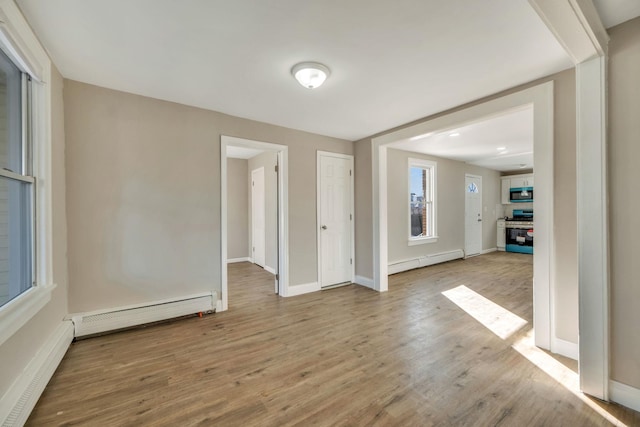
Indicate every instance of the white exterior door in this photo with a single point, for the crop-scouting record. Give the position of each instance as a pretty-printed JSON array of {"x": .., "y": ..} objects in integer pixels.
[
  {"x": 473, "y": 215},
  {"x": 258, "y": 231},
  {"x": 335, "y": 219}
]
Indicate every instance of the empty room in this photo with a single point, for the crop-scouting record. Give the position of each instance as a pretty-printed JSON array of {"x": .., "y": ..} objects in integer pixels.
[{"x": 319, "y": 213}]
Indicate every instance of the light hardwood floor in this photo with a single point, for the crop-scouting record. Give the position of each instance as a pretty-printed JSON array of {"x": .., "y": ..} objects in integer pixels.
[{"x": 346, "y": 356}]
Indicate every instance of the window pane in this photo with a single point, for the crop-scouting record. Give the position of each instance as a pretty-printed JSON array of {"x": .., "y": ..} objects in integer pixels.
[
  {"x": 15, "y": 238},
  {"x": 418, "y": 180},
  {"x": 10, "y": 115}
]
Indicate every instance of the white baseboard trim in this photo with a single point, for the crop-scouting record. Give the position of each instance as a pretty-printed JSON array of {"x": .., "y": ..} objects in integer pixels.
[
  {"x": 22, "y": 396},
  {"x": 110, "y": 319},
  {"x": 565, "y": 348},
  {"x": 363, "y": 281},
  {"x": 270, "y": 269},
  {"x": 303, "y": 289},
  {"x": 624, "y": 395},
  {"x": 423, "y": 261},
  {"x": 488, "y": 251},
  {"x": 234, "y": 260}
]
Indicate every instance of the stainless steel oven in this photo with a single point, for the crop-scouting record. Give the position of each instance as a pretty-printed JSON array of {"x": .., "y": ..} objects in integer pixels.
[{"x": 519, "y": 236}]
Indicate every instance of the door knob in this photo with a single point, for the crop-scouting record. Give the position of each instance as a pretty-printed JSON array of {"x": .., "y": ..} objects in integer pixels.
[
  {"x": 479, "y": 219},
  {"x": 324, "y": 227}
]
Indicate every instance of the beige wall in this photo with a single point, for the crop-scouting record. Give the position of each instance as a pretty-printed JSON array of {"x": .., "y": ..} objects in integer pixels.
[
  {"x": 363, "y": 214},
  {"x": 143, "y": 180},
  {"x": 237, "y": 208},
  {"x": 564, "y": 199},
  {"x": 18, "y": 350},
  {"x": 450, "y": 205},
  {"x": 268, "y": 161},
  {"x": 624, "y": 155}
]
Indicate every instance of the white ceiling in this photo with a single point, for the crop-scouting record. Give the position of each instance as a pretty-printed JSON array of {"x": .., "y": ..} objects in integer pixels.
[
  {"x": 614, "y": 12},
  {"x": 392, "y": 62},
  {"x": 503, "y": 143}
]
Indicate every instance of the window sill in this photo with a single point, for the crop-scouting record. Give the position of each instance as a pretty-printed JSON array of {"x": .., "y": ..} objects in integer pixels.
[
  {"x": 423, "y": 240},
  {"x": 17, "y": 312}
]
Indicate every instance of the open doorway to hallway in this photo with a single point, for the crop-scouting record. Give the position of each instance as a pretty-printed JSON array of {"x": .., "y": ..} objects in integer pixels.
[{"x": 254, "y": 210}]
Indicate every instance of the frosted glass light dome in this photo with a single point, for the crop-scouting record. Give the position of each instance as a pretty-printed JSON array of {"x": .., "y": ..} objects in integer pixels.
[{"x": 310, "y": 74}]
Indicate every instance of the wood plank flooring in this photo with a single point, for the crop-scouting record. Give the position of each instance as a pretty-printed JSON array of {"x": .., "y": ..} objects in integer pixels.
[{"x": 347, "y": 356}]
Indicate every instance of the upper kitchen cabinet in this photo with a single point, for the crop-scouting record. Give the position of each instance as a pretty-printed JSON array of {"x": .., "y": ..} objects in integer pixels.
[
  {"x": 519, "y": 181},
  {"x": 514, "y": 181},
  {"x": 505, "y": 187}
]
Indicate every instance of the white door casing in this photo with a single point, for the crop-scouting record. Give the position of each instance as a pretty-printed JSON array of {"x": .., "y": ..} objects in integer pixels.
[
  {"x": 258, "y": 229},
  {"x": 472, "y": 215},
  {"x": 335, "y": 219}
]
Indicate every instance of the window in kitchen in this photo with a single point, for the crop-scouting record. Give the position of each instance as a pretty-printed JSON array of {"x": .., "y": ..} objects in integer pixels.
[{"x": 422, "y": 201}]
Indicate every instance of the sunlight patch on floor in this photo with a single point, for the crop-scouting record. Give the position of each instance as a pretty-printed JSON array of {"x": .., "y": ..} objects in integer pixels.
[
  {"x": 559, "y": 372},
  {"x": 504, "y": 324},
  {"x": 497, "y": 319}
]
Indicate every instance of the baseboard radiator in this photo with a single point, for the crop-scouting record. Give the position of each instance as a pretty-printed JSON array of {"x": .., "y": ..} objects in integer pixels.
[
  {"x": 424, "y": 261},
  {"x": 123, "y": 317}
]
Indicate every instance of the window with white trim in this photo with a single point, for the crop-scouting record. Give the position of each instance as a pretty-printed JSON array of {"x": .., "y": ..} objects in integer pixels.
[
  {"x": 26, "y": 273},
  {"x": 16, "y": 183},
  {"x": 422, "y": 201}
]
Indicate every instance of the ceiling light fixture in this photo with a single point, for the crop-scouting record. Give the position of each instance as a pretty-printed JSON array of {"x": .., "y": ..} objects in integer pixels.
[
  {"x": 310, "y": 74},
  {"x": 501, "y": 148},
  {"x": 454, "y": 134}
]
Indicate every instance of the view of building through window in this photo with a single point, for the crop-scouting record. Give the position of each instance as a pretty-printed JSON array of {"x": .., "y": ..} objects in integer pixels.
[
  {"x": 418, "y": 206},
  {"x": 421, "y": 200}
]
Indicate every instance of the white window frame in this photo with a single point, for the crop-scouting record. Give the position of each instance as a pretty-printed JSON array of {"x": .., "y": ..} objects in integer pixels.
[
  {"x": 22, "y": 46},
  {"x": 431, "y": 167}
]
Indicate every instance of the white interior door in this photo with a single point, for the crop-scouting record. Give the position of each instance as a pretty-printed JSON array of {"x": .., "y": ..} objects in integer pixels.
[
  {"x": 258, "y": 232},
  {"x": 473, "y": 215},
  {"x": 335, "y": 219}
]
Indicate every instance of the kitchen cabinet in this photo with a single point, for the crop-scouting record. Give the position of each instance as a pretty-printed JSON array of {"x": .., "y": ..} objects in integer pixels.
[
  {"x": 521, "y": 181},
  {"x": 505, "y": 193},
  {"x": 501, "y": 239},
  {"x": 513, "y": 181}
]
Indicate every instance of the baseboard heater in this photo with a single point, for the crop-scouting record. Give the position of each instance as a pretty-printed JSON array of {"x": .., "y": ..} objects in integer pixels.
[
  {"x": 124, "y": 317},
  {"x": 423, "y": 261}
]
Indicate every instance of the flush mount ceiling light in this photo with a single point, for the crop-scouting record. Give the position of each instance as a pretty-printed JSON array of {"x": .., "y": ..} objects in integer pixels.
[{"x": 310, "y": 74}]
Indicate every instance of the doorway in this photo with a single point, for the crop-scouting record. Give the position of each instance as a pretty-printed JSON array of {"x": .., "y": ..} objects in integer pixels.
[
  {"x": 472, "y": 215},
  {"x": 258, "y": 230},
  {"x": 335, "y": 219},
  {"x": 541, "y": 98},
  {"x": 276, "y": 263}
]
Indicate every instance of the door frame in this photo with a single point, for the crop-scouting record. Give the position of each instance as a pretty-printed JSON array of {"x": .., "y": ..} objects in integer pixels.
[
  {"x": 264, "y": 218},
  {"x": 470, "y": 175},
  {"x": 283, "y": 213},
  {"x": 349, "y": 157},
  {"x": 541, "y": 97}
]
